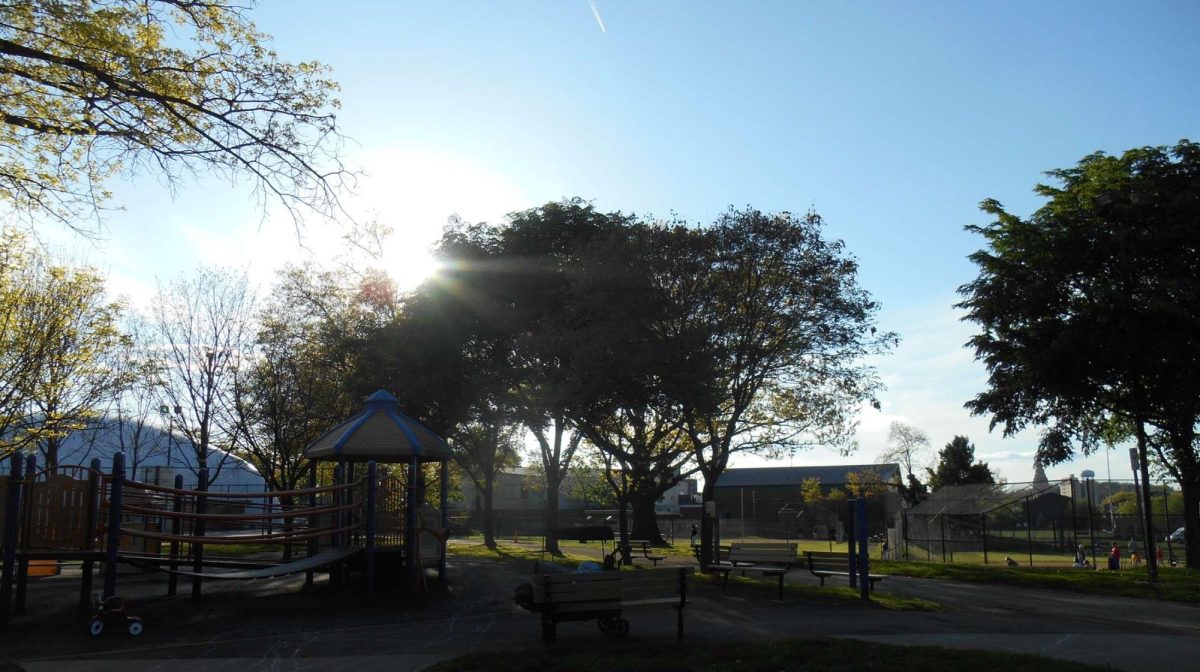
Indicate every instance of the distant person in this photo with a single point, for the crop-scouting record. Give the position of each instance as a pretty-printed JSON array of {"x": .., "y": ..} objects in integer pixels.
[
  {"x": 1158, "y": 554},
  {"x": 1114, "y": 557},
  {"x": 1136, "y": 558},
  {"x": 695, "y": 535},
  {"x": 1080, "y": 557}
]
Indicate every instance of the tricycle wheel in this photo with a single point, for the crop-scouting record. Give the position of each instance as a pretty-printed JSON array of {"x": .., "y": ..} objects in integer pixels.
[
  {"x": 621, "y": 627},
  {"x": 135, "y": 626},
  {"x": 96, "y": 626}
]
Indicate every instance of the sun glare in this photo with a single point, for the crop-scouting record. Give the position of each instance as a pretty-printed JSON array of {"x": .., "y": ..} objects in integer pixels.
[
  {"x": 414, "y": 191},
  {"x": 408, "y": 267}
]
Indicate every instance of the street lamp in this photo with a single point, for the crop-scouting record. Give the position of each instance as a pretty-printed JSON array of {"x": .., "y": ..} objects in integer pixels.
[
  {"x": 166, "y": 410},
  {"x": 1089, "y": 479}
]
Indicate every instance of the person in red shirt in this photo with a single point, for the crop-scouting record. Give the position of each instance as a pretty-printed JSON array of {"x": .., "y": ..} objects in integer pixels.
[{"x": 1114, "y": 557}]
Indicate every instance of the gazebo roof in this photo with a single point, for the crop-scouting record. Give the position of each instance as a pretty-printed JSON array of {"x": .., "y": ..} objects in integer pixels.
[{"x": 381, "y": 433}]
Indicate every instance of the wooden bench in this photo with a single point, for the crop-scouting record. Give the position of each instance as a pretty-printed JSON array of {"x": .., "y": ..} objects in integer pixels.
[
  {"x": 823, "y": 564},
  {"x": 722, "y": 552},
  {"x": 641, "y": 546},
  {"x": 605, "y": 596},
  {"x": 763, "y": 559}
]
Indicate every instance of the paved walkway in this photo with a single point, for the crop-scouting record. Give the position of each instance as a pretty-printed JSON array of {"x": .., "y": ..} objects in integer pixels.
[{"x": 275, "y": 625}]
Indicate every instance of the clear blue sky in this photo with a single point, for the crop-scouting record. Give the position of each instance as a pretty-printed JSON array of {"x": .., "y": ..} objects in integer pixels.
[{"x": 892, "y": 120}]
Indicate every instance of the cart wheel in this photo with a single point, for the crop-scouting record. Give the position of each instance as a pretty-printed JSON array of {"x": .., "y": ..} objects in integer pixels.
[
  {"x": 605, "y": 624},
  {"x": 135, "y": 627},
  {"x": 96, "y": 626},
  {"x": 621, "y": 627}
]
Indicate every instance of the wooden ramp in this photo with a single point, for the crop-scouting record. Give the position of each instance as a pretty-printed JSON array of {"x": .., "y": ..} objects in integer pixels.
[{"x": 312, "y": 562}]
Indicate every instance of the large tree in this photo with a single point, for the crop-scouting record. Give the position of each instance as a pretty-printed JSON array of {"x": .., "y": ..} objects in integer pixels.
[
  {"x": 1090, "y": 309},
  {"x": 632, "y": 365},
  {"x": 165, "y": 87},
  {"x": 779, "y": 339},
  {"x": 906, "y": 445},
  {"x": 288, "y": 393},
  {"x": 58, "y": 340},
  {"x": 542, "y": 249},
  {"x": 204, "y": 325},
  {"x": 956, "y": 465}
]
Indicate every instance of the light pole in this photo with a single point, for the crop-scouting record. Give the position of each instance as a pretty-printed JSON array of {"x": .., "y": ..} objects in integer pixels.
[{"x": 1089, "y": 479}]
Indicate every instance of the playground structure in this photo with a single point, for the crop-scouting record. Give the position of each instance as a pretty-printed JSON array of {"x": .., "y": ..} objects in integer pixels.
[{"x": 356, "y": 522}]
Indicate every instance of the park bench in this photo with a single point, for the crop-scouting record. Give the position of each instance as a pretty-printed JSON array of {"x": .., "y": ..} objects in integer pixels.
[
  {"x": 582, "y": 534},
  {"x": 642, "y": 546},
  {"x": 823, "y": 565},
  {"x": 605, "y": 596},
  {"x": 763, "y": 559}
]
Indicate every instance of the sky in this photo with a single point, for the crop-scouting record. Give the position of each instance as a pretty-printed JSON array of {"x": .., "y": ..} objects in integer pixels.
[{"x": 891, "y": 120}]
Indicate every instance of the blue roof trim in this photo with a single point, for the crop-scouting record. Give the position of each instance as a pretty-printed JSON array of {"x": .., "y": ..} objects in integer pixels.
[
  {"x": 362, "y": 420},
  {"x": 399, "y": 418},
  {"x": 431, "y": 432}
]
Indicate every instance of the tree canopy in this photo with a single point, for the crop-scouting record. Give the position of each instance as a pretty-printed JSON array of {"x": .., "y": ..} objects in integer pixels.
[
  {"x": 957, "y": 466},
  {"x": 1089, "y": 311},
  {"x": 166, "y": 87}
]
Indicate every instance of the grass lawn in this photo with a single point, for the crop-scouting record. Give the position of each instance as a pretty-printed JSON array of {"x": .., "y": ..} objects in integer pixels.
[
  {"x": 1175, "y": 583},
  {"x": 826, "y": 655},
  {"x": 524, "y": 556}
]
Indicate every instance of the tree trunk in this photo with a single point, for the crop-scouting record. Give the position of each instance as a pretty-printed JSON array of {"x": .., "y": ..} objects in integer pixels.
[
  {"x": 708, "y": 548},
  {"x": 645, "y": 521},
  {"x": 552, "y": 486},
  {"x": 489, "y": 515},
  {"x": 1149, "y": 543},
  {"x": 1182, "y": 445}
]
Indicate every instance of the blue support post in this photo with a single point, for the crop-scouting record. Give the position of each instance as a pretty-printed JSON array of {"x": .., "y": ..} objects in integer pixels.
[
  {"x": 112, "y": 542},
  {"x": 369, "y": 551},
  {"x": 12, "y": 510},
  {"x": 864, "y": 570},
  {"x": 339, "y": 499},
  {"x": 27, "y": 512},
  {"x": 412, "y": 563},
  {"x": 89, "y": 541},
  {"x": 199, "y": 529}
]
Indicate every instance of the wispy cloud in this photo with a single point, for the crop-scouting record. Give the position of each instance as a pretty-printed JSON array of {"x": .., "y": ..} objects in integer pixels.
[{"x": 596, "y": 13}]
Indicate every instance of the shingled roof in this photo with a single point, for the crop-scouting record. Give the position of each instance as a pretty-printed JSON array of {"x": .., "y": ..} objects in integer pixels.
[
  {"x": 786, "y": 476},
  {"x": 382, "y": 433}
]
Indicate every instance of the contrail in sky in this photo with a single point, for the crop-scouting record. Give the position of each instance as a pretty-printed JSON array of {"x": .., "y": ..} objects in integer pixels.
[{"x": 596, "y": 13}]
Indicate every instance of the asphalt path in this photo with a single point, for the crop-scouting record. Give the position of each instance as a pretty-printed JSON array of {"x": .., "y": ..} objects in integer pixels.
[{"x": 277, "y": 625}]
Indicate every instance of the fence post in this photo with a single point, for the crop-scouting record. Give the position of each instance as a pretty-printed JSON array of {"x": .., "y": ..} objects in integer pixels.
[
  {"x": 313, "y": 519},
  {"x": 112, "y": 542},
  {"x": 176, "y": 522},
  {"x": 1029, "y": 531},
  {"x": 28, "y": 512},
  {"x": 199, "y": 528},
  {"x": 1167, "y": 522},
  {"x": 369, "y": 559},
  {"x": 983, "y": 534},
  {"x": 942, "y": 520},
  {"x": 852, "y": 541},
  {"x": 864, "y": 573},
  {"x": 89, "y": 542},
  {"x": 12, "y": 509}
]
